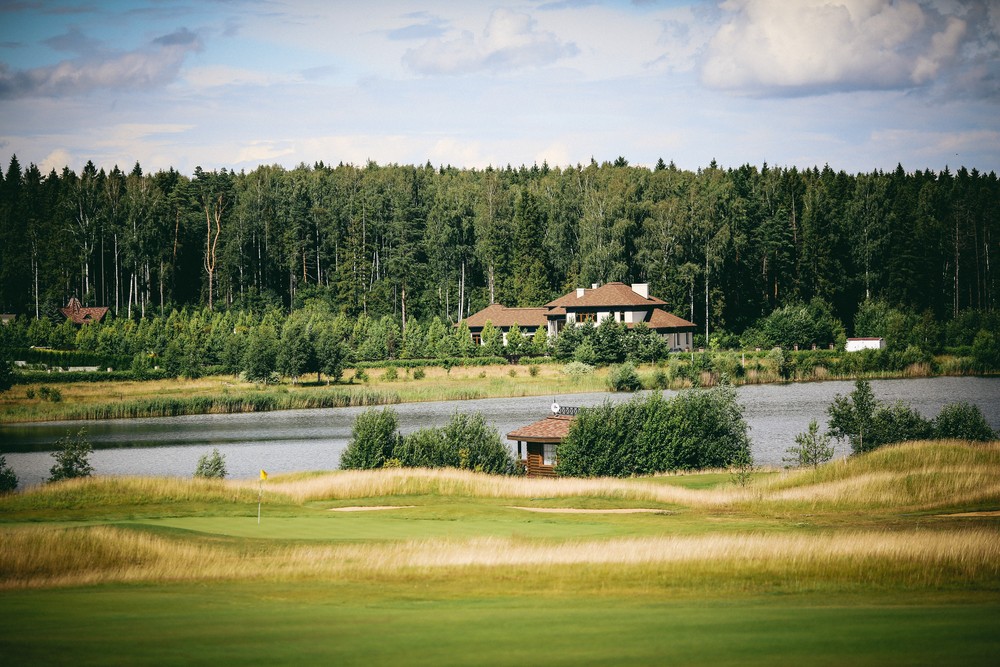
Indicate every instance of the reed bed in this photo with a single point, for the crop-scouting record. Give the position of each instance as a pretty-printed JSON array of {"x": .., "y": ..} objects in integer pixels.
[
  {"x": 226, "y": 403},
  {"x": 34, "y": 557}
]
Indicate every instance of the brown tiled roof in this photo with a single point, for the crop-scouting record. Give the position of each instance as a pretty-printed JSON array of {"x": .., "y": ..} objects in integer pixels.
[
  {"x": 81, "y": 315},
  {"x": 553, "y": 428},
  {"x": 501, "y": 316},
  {"x": 661, "y": 319},
  {"x": 612, "y": 294}
]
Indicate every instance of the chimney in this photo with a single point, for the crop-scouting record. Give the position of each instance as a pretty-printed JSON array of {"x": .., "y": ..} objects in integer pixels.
[
  {"x": 580, "y": 292},
  {"x": 642, "y": 289},
  {"x": 594, "y": 285}
]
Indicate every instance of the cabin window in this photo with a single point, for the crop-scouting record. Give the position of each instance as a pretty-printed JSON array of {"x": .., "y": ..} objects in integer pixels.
[{"x": 549, "y": 454}]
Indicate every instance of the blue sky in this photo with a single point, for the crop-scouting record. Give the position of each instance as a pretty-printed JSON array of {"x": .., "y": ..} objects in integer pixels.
[{"x": 856, "y": 84}]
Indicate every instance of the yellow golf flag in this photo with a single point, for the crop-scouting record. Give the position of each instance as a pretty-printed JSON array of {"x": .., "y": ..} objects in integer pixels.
[{"x": 263, "y": 475}]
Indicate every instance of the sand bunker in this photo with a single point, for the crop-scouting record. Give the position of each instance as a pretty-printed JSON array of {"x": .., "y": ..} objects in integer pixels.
[
  {"x": 370, "y": 508},
  {"x": 573, "y": 510}
]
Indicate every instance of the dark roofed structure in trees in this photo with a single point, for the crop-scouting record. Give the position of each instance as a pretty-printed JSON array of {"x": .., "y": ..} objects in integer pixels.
[{"x": 78, "y": 314}]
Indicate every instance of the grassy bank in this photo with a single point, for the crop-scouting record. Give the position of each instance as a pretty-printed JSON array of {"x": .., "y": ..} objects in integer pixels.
[
  {"x": 226, "y": 394},
  {"x": 887, "y": 557}
]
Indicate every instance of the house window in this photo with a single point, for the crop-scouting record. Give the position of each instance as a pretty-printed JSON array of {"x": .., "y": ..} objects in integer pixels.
[
  {"x": 621, "y": 316},
  {"x": 583, "y": 318},
  {"x": 477, "y": 339},
  {"x": 549, "y": 454}
]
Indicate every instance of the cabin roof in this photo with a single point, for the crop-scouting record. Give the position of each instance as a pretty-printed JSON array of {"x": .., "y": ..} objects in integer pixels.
[{"x": 553, "y": 428}]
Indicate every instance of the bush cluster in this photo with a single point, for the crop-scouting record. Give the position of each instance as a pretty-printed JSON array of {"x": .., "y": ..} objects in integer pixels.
[
  {"x": 691, "y": 431},
  {"x": 211, "y": 466},
  {"x": 467, "y": 442},
  {"x": 868, "y": 424}
]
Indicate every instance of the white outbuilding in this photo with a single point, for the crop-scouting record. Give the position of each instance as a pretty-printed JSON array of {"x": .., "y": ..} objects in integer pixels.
[{"x": 858, "y": 344}]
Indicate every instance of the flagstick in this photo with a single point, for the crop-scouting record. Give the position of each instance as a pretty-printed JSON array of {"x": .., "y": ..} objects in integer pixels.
[{"x": 260, "y": 493}]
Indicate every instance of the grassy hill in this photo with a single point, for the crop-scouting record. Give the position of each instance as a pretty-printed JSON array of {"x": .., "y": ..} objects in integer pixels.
[{"x": 889, "y": 557}]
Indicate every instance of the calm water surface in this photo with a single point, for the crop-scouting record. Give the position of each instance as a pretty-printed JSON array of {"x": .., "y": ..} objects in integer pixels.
[{"x": 314, "y": 439}]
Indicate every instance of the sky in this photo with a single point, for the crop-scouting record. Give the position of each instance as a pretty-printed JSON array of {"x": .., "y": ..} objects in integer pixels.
[{"x": 860, "y": 85}]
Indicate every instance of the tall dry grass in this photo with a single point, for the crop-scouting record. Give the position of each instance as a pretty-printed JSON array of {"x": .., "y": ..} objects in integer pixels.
[
  {"x": 44, "y": 557},
  {"x": 906, "y": 477},
  {"x": 911, "y": 476}
]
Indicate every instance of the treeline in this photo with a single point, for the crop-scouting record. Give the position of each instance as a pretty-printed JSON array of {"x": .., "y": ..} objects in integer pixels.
[
  {"x": 316, "y": 340},
  {"x": 726, "y": 245}
]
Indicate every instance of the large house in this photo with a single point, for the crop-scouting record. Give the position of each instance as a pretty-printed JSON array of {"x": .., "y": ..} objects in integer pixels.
[{"x": 627, "y": 304}]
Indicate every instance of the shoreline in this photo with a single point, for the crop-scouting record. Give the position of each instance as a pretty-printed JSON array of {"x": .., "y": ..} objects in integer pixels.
[{"x": 89, "y": 401}]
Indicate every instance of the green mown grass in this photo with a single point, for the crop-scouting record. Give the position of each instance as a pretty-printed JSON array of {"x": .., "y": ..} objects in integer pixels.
[{"x": 350, "y": 624}]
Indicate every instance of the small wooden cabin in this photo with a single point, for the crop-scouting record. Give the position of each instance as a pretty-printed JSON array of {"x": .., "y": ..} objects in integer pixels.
[{"x": 537, "y": 443}]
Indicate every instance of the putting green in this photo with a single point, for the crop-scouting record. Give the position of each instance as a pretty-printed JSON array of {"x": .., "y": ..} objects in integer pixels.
[{"x": 416, "y": 523}]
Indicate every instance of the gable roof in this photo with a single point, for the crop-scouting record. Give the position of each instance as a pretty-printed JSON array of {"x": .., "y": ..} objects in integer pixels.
[
  {"x": 501, "y": 316},
  {"x": 83, "y": 315},
  {"x": 612, "y": 294},
  {"x": 553, "y": 428},
  {"x": 661, "y": 319}
]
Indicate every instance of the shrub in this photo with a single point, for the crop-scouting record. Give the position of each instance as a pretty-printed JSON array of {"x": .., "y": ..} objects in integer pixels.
[
  {"x": 373, "y": 439},
  {"x": 898, "y": 423},
  {"x": 851, "y": 416},
  {"x": 660, "y": 379},
  {"x": 624, "y": 378},
  {"x": 211, "y": 466},
  {"x": 467, "y": 441},
  {"x": 486, "y": 451},
  {"x": 8, "y": 480},
  {"x": 692, "y": 430},
  {"x": 419, "y": 373},
  {"x": 576, "y": 368},
  {"x": 424, "y": 448},
  {"x": 811, "y": 448},
  {"x": 391, "y": 374},
  {"x": 742, "y": 467},
  {"x": 533, "y": 371},
  {"x": 72, "y": 457},
  {"x": 963, "y": 421},
  {"x": 6, "y": 375}
]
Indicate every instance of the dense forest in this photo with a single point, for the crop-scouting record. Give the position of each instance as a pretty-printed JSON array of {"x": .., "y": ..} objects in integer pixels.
[{"x": 727, "y": 245}]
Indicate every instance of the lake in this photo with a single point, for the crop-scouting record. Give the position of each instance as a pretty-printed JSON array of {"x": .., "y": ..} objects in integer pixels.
[{"x": 298, "y": 440}]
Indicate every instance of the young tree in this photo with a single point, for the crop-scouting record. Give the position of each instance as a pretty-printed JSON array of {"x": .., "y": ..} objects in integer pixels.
[
  {"x": 963, "y": 421},
  {"x": 331, "y": 351},
  {"x": 296, "y": 349},
  {"x": 373, "y": 439},
  {"x": 8, "y": 480},
  {"x": 852, "y": 416},
  {"x": 811, "y": 448},
  {"x": 211, "y": 466},
  {"x": 72, "y": 457},
  {"x": 259, "y": 360}
]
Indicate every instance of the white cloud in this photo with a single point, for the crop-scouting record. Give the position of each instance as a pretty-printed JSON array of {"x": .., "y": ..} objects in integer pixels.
[
  {"x": 774, "y": 46},
  {"x": 154, "y": 65},
  {"x": 57, "y": 159},
  {"x": 509, "y": 41},
  {"x": 214, "y": 76}
]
